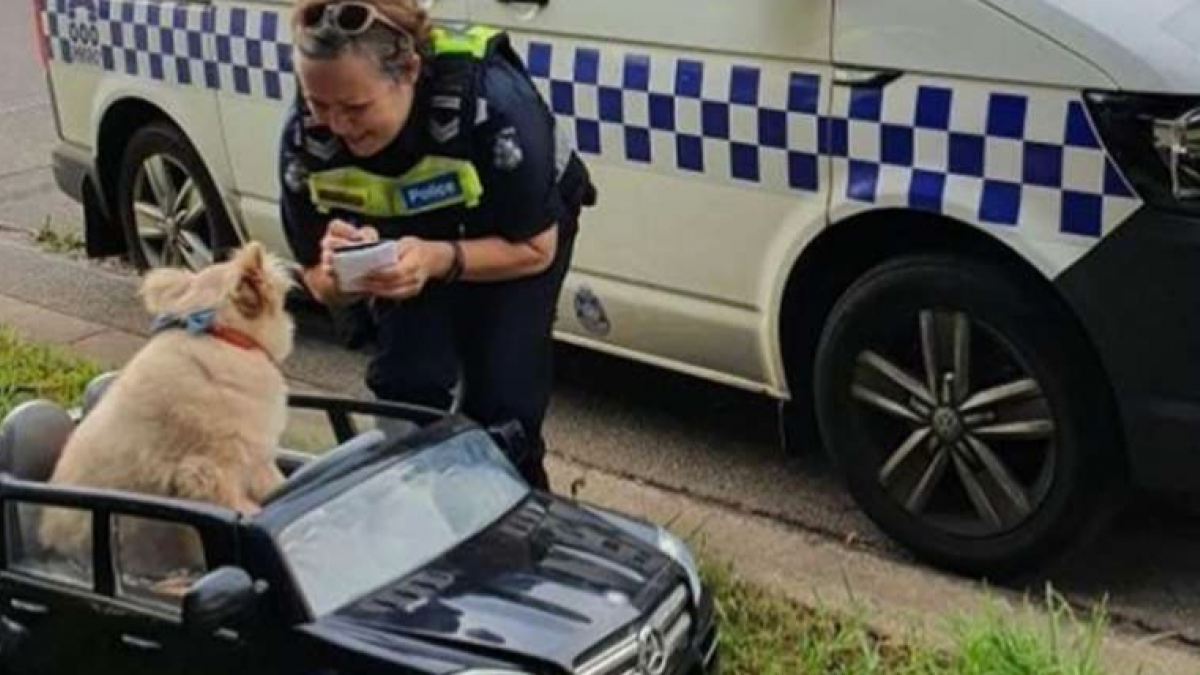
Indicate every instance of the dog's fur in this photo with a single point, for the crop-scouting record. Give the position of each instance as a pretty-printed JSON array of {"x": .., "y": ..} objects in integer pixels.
[{"x": 190, "y": 416}]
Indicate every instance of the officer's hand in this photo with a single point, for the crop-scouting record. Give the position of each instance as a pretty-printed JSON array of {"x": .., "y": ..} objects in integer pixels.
[
  {"x": 338, "y": 234},
  {"x": 321, "y": 279},
  {"x": 417, "y": 261}
]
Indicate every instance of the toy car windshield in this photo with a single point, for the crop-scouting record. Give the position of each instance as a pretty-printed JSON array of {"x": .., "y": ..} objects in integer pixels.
[{"x": 348, "y": 532}]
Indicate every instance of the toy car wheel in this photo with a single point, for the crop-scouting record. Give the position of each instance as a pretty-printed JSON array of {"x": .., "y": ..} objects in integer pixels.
[
  {"x": 961, "y": 407},
  {"x": 171, "y": 212}
]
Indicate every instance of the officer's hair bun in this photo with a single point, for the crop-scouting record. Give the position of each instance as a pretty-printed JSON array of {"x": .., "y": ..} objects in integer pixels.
[
  {"x": 322, "y": 42},
  {"x": 390, "y": 51},
  {"x": 403, "y": 13},
  {"x": 410, "y": 17}
]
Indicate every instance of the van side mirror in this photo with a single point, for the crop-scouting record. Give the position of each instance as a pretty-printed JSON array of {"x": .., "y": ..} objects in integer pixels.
[{"x": 217, "y": 598}]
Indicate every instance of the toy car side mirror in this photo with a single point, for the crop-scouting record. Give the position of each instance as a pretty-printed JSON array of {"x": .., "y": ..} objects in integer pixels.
[{"x": 218, "y": 597}]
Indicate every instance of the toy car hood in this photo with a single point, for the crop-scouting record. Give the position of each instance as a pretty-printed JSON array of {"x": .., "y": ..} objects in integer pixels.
[{"x": 545, "y": 581}]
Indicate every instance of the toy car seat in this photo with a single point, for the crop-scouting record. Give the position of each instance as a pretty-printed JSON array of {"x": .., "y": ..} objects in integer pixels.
[
  {"x": 303, "y": 471},
  {"x": 32, "y": 436},
  {"x": 95, "y": 389}
]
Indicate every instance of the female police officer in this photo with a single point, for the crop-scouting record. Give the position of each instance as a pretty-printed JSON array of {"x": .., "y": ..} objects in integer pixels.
[{"x": 439, "y": 140}]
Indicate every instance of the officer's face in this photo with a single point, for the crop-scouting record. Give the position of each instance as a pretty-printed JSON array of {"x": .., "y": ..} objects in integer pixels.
[{"x": 360, "y": 104}]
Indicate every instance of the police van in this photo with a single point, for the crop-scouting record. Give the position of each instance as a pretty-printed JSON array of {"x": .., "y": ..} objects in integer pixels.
[{"x": 960, "y": 238}]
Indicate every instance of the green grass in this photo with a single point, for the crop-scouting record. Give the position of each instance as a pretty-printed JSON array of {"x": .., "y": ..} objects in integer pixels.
[
  {"x": 763, "y": 635},
  {"x": 760, "y": 634},
  {"x": 1066, "y": 644},
  {"x": 29, "y": 371},
  {"x": 55, "y": 240}
]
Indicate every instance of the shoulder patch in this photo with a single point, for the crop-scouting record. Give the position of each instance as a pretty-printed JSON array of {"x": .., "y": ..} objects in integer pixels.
[
  {"x": 443, "y": 132},
  {"x": 323, "y": 149}
]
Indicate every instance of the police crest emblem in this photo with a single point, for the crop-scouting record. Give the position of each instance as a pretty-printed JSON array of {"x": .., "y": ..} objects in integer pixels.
[
  {"x": 295, "y": 175},
  {"x": 506, "y": 152}
]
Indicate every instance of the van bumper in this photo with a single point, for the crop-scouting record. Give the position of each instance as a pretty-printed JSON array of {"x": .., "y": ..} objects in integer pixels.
[
  {"x": 1138, "y": 295},
  {"x": 72, "y": 166},
  {"x": 75, "y": 174}
]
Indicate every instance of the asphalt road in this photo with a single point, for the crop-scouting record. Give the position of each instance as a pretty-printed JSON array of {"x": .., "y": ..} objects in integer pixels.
[{"x": 679, "y": 433}]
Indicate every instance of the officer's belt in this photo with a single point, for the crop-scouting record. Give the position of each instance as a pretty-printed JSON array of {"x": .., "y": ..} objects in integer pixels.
[{"x": 434, "y": 183}]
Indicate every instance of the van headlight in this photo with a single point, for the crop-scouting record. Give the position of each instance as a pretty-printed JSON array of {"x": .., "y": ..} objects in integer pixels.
[
  {"x": 1155, "y": 139},
  {"x": 677, "y": 550},
  {"x": 1178, "y": 144},
  {"x": 671, "y": 546}
]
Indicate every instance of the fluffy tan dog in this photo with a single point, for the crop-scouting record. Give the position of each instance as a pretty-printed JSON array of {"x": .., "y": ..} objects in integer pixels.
[{"x": 196, "y": 414}]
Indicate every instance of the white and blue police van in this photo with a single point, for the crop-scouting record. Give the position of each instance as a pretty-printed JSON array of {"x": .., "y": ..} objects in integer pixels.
[{"x": 960, "y": 239}]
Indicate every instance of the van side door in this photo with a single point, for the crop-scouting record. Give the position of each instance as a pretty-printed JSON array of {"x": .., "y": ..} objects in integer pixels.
[{"x": 702, "y": 125}]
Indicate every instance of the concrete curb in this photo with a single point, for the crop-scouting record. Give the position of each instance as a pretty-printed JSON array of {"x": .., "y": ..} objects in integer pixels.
[{"x": 893, "y": 597}]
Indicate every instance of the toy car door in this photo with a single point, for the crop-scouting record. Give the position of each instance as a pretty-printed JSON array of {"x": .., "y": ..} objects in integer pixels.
[
  {"x": 48, "y": 624},
  {"x": 144, "y": 630}
]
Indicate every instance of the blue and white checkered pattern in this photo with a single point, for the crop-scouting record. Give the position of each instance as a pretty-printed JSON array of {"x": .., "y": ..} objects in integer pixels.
[
  {"x": 162, "y": 41},
  {"x": 252, "y": 55},
  {"x": 230, "y": 49},
  {"x": 1017, "y": 157},
  {"x": 750, "y": 123},
  {"x": 1008, "y": 158},
  {"x": 1021, "y": 159}
]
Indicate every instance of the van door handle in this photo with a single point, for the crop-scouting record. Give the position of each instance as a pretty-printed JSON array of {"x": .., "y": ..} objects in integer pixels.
[
  {"x": 26, "y": 607},
  {"x": 140, "y": 644},
  {"x": 865, "y": 79}
]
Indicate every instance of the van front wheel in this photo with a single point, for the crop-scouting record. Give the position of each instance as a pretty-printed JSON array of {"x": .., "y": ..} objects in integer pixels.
[
  {"x": 961, "y": 408},
  {"x": 171, "y": 212}
]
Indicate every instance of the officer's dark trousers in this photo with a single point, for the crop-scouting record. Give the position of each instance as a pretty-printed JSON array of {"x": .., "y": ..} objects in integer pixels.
[{"x": 499, "y": 334}]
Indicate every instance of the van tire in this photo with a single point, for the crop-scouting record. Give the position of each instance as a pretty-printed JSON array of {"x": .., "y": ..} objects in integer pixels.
[
  {"x": 159, "y": 163},
  {"x": 1052, "y": 429}
]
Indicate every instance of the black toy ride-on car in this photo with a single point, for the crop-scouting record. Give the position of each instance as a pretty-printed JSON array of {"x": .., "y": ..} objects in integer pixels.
[{"x": 413, "y": 547}]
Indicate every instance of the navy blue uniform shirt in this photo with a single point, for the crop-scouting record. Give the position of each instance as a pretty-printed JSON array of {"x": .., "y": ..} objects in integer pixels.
[{"x": 513, "y": 149}]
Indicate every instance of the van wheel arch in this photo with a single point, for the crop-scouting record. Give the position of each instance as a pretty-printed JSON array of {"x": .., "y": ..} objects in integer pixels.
[
  {"x": 856, "y": 283},
  {"x": 121, "y": 122},
  {"x": 841, "y": 255}
]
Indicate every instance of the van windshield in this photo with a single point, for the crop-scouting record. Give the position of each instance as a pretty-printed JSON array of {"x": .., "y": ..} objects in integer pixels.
[{"x": 398, "y": 520}]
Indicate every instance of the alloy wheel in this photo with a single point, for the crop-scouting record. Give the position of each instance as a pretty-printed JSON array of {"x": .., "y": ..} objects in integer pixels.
[
  {"x": 172, "y": 219},
  {"x": 965, "y": 437}
]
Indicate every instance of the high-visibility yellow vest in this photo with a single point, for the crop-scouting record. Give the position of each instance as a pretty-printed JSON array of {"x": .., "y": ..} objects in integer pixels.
[{"x": 436, "y": 182}]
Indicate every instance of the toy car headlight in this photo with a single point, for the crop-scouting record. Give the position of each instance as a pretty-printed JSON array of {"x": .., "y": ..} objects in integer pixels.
[
  {"x": 677, "y": 550},
  {"x": 671, "y": 545}
]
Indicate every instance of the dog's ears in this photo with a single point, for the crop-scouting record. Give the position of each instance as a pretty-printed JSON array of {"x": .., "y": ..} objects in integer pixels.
[
  {"x": 249, "y": 295},
  {"x": 163, "y": 287},
  {"x": 250, "y": 257}
]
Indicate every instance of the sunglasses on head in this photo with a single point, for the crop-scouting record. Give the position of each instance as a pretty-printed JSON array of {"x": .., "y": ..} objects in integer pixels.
[{"x": 349, "y": 17}]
